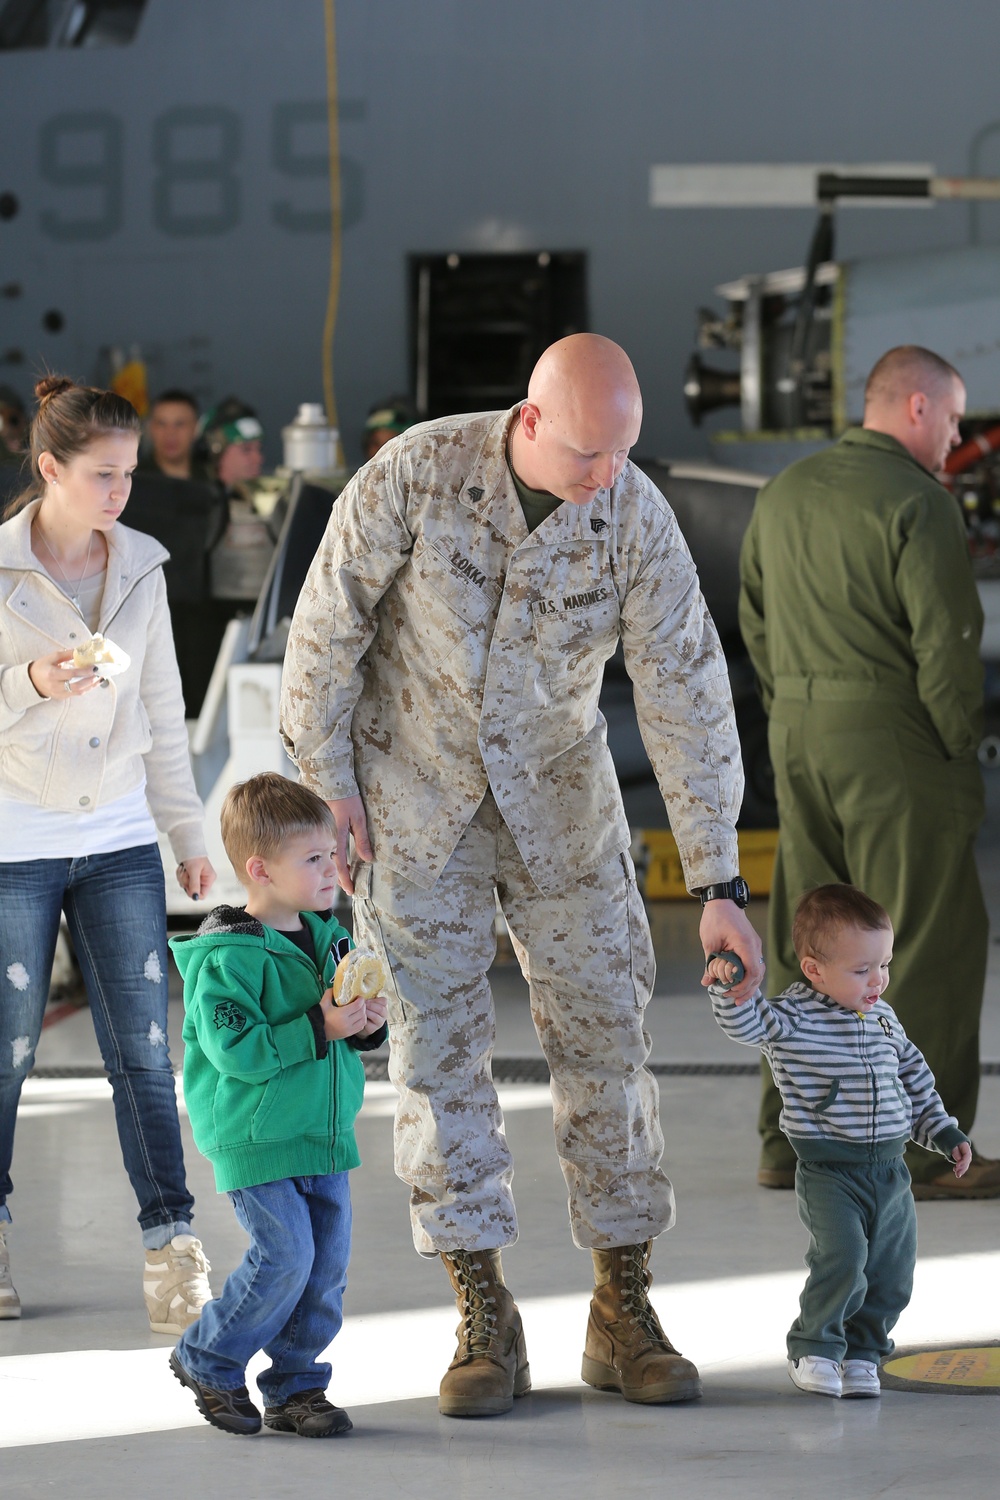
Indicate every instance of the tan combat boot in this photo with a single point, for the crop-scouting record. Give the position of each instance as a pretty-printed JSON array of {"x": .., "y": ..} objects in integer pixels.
[
  {"x": 490, "y": 1366},
  {"x": 626, "y": 1348}
]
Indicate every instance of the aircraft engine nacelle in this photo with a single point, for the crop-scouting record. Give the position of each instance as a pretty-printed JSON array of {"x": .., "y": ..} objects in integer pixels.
[{"x": 798, "y": 372}]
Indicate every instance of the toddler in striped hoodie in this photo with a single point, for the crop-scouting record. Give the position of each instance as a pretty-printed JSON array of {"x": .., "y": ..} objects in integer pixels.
[{"x": 854, "y": 1090}]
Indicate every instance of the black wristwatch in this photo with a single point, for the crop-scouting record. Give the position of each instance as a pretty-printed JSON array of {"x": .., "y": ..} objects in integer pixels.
[{"x": 726, "y": 890}]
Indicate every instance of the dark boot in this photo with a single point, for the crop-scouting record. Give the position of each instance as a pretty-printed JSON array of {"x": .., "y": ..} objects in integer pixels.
[
  {"x": 490, "y": 1366},
  {"x": 626, "y": 1348}
]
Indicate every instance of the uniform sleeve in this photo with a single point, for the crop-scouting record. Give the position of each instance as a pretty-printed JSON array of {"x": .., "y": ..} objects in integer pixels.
[
  {"x": 684, "y": 705},
  {"x": 751, "y": 610},
  {"x": 365, "y": 544},
  {"x": 938, "y": 592},
  {"x": 170, "y": 787},
  {"x": 232, "y": 1030},
  {"x": 755, "y": 1023}
]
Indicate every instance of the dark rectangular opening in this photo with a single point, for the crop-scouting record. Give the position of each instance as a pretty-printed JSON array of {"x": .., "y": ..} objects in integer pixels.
[{"x": 478, "y": 323}]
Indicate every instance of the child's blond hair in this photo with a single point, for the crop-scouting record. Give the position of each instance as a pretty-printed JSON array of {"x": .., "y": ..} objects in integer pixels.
[{"x": 261, "y": 814}]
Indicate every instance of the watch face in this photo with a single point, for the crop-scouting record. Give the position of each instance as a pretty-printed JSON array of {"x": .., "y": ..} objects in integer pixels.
[{"x": 741, "y": 891}]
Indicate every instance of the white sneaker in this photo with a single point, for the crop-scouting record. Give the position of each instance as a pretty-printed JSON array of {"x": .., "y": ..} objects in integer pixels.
[
  {"x": 175, "y": 1283},
  {"x": 10, "y": 1302},
  {"x": 859, "y": 1377},
  {"x": 820, "y": 1376}
]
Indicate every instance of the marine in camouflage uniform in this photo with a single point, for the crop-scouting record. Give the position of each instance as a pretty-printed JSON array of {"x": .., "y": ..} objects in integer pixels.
[
  {"x": 861, "y": 617},
  {"x": 446, "y": 663}
]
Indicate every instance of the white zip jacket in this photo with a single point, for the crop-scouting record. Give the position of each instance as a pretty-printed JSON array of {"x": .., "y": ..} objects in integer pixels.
[
  {"x": 80, "y": 753},
  {"x": 438, "y": 648},
  {"x": 844, "y": 1077}
]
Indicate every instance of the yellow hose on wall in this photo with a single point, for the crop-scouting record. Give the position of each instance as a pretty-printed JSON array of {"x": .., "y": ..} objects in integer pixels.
[{"x": 333, "y": 293}]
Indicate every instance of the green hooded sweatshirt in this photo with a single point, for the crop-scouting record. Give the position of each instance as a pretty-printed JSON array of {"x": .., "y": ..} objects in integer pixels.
[{"x": 267, "y": 1096}]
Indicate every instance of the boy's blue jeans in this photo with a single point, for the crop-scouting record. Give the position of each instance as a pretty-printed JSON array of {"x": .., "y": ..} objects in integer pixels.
[
  {"x": 285, "y": 1297},
  {"x": 115, "y": 908}
]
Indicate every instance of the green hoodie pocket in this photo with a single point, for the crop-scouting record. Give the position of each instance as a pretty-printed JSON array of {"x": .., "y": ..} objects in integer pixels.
[
  {"x": 828, "y": 1097},
  {"x": 288, "y": 1108}
]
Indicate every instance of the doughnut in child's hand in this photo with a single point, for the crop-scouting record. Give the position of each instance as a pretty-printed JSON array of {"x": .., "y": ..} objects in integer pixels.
[{"x": 360, "y": 973}]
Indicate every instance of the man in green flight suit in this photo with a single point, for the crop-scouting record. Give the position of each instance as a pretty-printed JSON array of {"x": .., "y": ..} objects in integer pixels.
[{"x": 861, "y": 617}]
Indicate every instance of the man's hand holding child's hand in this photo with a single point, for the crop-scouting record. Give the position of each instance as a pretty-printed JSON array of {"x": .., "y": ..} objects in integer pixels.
[
  {"x": 725, "y": 928},
  {"x": 721, "y": 971},
  {"x": 962, "y": 1157},
  {"x": 360, "y": 1017}
]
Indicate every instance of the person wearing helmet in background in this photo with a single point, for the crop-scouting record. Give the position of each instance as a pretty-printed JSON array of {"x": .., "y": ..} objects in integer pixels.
[
  {"x": 385, "y": 421},
  {"x": 231, "y": 438}
]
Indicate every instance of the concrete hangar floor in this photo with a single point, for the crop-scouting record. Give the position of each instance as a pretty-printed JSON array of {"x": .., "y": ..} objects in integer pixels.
[{"x": 88, "y": 1407}]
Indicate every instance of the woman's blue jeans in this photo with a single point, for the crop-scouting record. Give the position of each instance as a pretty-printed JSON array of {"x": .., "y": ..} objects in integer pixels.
[
  {"x": 285, "y": 1296},
  {"x": 116, "y": 911}
]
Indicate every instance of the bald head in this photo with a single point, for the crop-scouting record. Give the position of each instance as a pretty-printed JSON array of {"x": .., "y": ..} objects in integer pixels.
[
  {"x": 918, "y": 398},
  {"x": 582, "y": 415}
]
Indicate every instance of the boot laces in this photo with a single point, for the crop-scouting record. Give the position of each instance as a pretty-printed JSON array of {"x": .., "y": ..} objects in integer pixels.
[
  {"x": 635, "y": 1296},
  {"x": 479, "y": 1317}
]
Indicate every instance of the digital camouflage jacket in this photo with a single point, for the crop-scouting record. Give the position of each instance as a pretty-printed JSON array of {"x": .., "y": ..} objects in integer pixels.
[{"x": 438, "y": 647}]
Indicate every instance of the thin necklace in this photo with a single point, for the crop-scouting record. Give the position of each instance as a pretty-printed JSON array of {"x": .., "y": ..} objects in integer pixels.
[{"x": 75, "y": 595}]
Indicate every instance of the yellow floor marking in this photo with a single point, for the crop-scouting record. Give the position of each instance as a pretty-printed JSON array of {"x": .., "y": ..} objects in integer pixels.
[{"x": 949, "y": 1367}]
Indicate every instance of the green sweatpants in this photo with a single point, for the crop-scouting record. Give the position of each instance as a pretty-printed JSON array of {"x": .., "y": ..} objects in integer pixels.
[
  {"x": 866, "y": 796},
  {"x": 862, "y": 1249}
]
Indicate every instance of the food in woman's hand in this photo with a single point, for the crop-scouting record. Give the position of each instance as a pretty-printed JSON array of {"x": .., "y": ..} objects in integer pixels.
[{"x": 108, "y": 658}]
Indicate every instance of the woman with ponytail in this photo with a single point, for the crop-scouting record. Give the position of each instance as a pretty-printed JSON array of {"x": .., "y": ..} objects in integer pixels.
[{"x": 90, "y": 766}]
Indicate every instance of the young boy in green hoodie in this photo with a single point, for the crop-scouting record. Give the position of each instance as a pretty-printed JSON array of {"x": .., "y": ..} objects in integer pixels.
[{"x": 273, "y": 1082}]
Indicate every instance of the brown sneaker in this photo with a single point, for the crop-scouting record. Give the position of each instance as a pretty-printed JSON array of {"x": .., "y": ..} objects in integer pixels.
[
  {"x": 626, "y": 1348},
  {"x": 10, "y": 1302},
  {"x": 175, "y": 1283},
  {"x": 490, "y": 1366},
  {"x": 309, "y": 1414},
  {"x": 233, "y": 1411},
  {"x": 776, "y": 1177},
  {"x": 982, "y": 1180}
]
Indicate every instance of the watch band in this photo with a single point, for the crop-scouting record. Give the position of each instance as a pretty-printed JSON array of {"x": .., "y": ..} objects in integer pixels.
[{"x": 735, "y": 890}]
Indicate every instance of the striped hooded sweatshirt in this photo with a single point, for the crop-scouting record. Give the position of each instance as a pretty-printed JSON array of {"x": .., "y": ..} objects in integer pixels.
[{"x": 853, "y": 1087}]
